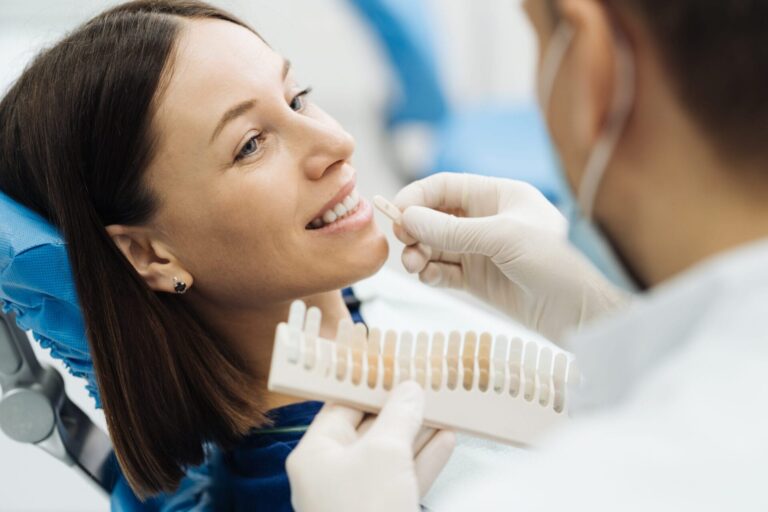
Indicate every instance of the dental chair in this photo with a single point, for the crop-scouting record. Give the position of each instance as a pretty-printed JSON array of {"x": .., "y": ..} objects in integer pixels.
[
  {"x": 495, "y": 139},
  {"x": 35, "y": 410},
  {"x": 37, "y": 294}
]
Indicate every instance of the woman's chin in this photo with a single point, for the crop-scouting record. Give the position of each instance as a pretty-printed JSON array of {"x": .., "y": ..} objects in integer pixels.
[
  {"x": 374, "y": 256},
  {"x": 364, "y": 263}
]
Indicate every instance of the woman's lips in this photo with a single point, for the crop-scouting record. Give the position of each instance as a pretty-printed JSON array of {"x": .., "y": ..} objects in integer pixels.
[
  {"x": 354, "y": 221},
  {"x": 345, "y": 191}
]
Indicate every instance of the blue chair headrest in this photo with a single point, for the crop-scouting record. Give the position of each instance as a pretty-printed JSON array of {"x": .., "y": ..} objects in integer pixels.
[{"x": 36, "y": 285}]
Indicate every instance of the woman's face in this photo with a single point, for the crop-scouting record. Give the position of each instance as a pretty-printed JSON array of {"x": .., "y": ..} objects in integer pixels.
[{"x": 246, "y": 164}]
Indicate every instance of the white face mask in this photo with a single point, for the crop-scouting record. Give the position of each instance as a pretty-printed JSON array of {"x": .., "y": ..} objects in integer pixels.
[{"x": 582, "y": 232}]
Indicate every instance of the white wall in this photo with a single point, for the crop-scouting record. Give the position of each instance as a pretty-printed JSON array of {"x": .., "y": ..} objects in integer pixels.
[{"x": 487, "y": 51}]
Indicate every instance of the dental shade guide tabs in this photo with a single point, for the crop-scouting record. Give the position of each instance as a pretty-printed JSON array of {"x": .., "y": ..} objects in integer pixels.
[
  {"x": 529, "y": 369},
  {"x": 311, "y": 332},
  {"x": 374, "y": 355},
  {"x": 452, "y": 359},
  {"x": 420, "y": 358},
  {"x": 467, "y": 378},
  {"x": 405, "y": 357},
  {"x": 484, "y": 361},
  {"x": 558, "y": 379},
  {"x": 343, "y": 343},
  {"x": 388, "y": 358},
  {"x": 544, "y": 375},
  {"x": 500, "y": 352},
  {"x": 388, "y": 209},
  {"x": 359, "y": 334},
  {"x": 296, "y": 315},
  {"x": 437, "y": 360},
  {"x": 468, "y": 359},
  {"x": 515, "y": 356}
]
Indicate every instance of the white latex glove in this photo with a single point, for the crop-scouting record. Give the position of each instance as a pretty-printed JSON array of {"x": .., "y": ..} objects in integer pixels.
[
  {"x": 502, "y": 241},
  {"x": 384, "y": 464}
]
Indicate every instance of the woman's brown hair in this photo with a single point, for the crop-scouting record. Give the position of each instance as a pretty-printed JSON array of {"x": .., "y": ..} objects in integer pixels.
[{"x": 76, "y": 138}]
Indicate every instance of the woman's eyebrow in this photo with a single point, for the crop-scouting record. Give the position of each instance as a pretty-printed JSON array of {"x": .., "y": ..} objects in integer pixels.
[{"x": 245, "y": 106}]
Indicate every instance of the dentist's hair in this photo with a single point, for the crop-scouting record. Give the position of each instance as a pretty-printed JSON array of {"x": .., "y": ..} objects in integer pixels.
[
  {"x": 716, "y": 52},
  {"x": 76, "y": 137}
]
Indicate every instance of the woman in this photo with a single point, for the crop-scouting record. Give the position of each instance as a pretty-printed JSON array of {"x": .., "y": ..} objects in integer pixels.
[{"x": 192, "y": 180}]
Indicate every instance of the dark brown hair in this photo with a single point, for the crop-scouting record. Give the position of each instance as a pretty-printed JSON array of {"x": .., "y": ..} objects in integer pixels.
[
  {"x": 76, "y": 137},
  {"x": 716, "y": 52}
]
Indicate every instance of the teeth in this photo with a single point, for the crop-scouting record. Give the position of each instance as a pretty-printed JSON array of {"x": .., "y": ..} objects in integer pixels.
[
  {"x": 340, "y": 210},
  {"x": 329, "y": 217}
]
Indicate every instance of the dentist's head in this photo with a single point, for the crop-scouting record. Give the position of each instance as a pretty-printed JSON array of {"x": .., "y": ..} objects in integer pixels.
[{"x": 658, "y": 112}]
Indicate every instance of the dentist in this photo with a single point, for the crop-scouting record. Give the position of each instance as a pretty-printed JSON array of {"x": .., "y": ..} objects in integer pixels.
[{"x": 659, "y": 112}]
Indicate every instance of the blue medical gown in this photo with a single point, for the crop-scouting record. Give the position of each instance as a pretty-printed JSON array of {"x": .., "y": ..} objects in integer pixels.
[{"x": 249, "y": 477}]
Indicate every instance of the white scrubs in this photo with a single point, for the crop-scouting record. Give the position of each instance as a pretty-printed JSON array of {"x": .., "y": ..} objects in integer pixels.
[{"x": 674, "y": 415}]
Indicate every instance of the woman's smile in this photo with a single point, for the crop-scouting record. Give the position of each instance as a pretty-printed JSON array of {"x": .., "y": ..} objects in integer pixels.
[{"x": 353, "y": 214}]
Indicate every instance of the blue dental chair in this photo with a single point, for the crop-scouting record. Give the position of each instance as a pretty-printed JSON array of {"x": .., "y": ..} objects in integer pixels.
[{"x": 495, "y": 140}]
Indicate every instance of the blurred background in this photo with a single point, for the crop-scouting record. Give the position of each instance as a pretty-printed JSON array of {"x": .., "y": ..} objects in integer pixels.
[{"x": 423, "y": 85}]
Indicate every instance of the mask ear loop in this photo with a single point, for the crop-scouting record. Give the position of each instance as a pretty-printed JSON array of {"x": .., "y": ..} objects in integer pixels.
[
  {"x": 553, "y": 60},
  {"x": 621, "y": 105}
]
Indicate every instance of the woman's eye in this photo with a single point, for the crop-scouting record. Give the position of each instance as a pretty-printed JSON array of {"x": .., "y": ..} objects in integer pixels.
[
  {"x": 250, "y": 147},
  {"x": 298, "y": 101}
]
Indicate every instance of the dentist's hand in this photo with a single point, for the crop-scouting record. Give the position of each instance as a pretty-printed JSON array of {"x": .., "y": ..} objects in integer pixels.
[
  {"x": 384, "y": 464},
  {"x": 502, "y": 241}
]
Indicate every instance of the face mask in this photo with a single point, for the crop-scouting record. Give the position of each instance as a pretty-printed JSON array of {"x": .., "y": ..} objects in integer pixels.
[{"x": 582, "y": 231}]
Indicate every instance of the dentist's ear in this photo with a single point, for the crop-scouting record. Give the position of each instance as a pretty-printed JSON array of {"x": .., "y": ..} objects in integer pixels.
[
  {"x": 152, "y": 259},
  {"x": 592, "y": 68}
]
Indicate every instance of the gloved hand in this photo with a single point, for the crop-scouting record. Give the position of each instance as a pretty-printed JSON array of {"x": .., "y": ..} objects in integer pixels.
[
  {"x": 502, "y": 241},
  {"x": 384, "y": 464}
]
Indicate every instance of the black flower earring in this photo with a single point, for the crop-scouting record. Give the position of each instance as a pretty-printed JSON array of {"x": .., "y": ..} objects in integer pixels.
[{"x": 179, "y": 286}]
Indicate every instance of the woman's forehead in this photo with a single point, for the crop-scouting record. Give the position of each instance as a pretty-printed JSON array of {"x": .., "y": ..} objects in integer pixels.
[
  {"x": 216, "y": 54},
  {"x": 217, "y": 64}
]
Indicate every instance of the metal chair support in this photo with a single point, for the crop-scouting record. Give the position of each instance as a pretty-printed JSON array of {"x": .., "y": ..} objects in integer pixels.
[{"x": 35, "y": 409}]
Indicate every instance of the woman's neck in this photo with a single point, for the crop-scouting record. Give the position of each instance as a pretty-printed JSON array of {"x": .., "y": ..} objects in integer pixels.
[{"x": 252, "y": 332}]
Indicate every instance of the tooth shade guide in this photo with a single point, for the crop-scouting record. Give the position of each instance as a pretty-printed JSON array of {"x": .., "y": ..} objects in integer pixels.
[
  {"x": 388, "y": 209},
  {"x": 343, "y": 343},
  {"x": 452, "y": 359},
  {"x": 311, "y": 332},
  {"x": 437, "y": 360},
  {"x": 515, "y": 357},
  {"x": 493, "y": 413},
  {"x": 374, "y": 352},
  {"x": 484, "y": 361},
  {"x": 405, "y": 357},
  {"x": 500, "y": 353},
  {"x": 359, "y": 333},
  {"x": 388, "y": 359},
  {"x": 529, "y": 366},
  {"x": 468, "y": 359},
  {"x": 544, "y": 374}
]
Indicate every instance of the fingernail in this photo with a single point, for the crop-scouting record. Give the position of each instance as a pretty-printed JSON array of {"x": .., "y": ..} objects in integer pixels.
[
  {"x": 432, "y": 275},
  {"x": 413, "y": 260}
]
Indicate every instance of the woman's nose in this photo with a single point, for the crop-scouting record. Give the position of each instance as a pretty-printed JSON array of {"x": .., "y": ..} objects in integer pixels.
[{"x": 326, "y": 144}]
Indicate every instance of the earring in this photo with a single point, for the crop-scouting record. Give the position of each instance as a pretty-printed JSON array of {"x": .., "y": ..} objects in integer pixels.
[{"x": 179, "y": 286}]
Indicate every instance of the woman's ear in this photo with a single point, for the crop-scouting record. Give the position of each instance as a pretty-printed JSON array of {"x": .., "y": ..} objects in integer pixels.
[
  {"x": 592, "y": 69},
  {"x": 151, "y": 258}
]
